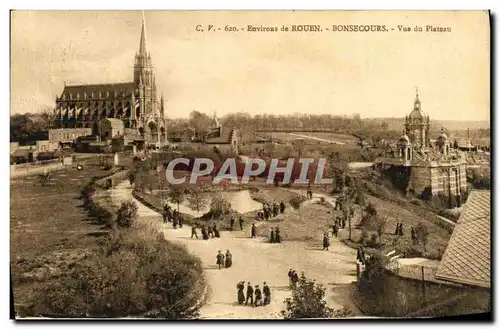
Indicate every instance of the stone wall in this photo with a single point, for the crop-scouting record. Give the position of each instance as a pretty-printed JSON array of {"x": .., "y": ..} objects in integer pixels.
[
  {"x": 68, "y": 134},
  {"x": 420, "y": 179}
]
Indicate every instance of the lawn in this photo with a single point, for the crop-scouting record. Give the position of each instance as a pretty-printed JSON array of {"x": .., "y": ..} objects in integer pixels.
[
  {"x": 50, "y": 231},
  {"x": 437, "y": 238}
]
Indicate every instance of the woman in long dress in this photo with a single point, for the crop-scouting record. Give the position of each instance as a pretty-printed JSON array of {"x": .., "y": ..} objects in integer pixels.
[{"x": 229, "y": 259}]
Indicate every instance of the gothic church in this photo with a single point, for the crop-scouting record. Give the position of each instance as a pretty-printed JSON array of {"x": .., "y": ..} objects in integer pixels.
[{"x": 131, "y": 104}]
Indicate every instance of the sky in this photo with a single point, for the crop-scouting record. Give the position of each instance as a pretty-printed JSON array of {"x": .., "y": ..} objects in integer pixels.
[{"x": 340, "y": 73}]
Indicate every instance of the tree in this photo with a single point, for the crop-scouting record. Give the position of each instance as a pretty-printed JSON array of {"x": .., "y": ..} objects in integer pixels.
[
  {"x": 200, "y": 122},
  {"x": 176, "y": 195},
  {"x": 197, "y": 200},
  {"x": 295, "y": 202},
  {"x": 219, "y": 206},
  {"x": 299, "y": 146},
  {"x": 307, "y": 302},
  {"x": 422, "y": 234},
  {"x": 126, "y": 214}
]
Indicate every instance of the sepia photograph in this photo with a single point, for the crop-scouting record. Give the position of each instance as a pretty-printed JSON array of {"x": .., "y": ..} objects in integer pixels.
[{"x": 250, "y": 165}]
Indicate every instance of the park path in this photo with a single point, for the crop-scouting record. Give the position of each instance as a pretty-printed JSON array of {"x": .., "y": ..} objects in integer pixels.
[{"x": 256, "y": 261}]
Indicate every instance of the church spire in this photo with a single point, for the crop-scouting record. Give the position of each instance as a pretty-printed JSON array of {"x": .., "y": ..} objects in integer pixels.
[{"x": 142, "y": 46}]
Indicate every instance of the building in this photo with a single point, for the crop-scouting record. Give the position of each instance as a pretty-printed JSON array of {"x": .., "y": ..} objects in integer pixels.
[
  {"x": 467, "y": 258},
  {"x": 429, "y": 168},
  {"x": 133, "y": 103},
  {"x": 225, "y": 139}
]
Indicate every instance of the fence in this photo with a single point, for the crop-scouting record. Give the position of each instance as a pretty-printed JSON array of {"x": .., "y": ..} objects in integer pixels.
[
  {"x": 414, "y": 271},
  {"x": 38, "y": 167}
]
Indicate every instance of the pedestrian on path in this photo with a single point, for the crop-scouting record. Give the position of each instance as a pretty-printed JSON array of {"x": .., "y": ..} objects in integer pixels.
[
  {"x": 231, "y": 223},
  {"x": 272, "y": 238},
  {"x": 241, "y": 295},
  {"x": 277, "y": 236},
  {"x": 267, "y": 294},
  {"x": 210, "y": 231},
  {"x": 229, "y": 259},
  {"x": 193, "y": 232},
  {"x": 220, "y": 260},
  {"x": 326, "y": 243},
  {"x": 216, "y": 231},
  {"x": 249, "y": 294},
  {"x": 258, "y": 296},
  {"x": 254, "y": 231},
  {"x": 204, "y": 233},
  {"x": 241, "y": 221}
]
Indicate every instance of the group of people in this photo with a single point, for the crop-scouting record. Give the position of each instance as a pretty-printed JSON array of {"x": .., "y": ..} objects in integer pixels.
[
  {"x": 251, "y": 292},
  {"x": 399, "y": 229},
  {"x": 293, "y": 278},
  {"x": 271, "y": 210},
  {"x": 275, "y": 235},
  {"x": 224, "y": 260},
  {"x": 206, "y": 232},
  {"x": 232, "y": 221},
  {"x": 172, "y": 216}
]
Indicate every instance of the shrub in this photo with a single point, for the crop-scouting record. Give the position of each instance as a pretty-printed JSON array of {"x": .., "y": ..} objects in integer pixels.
[
  {"x": 364, "y": 237},
  {"x": 307, "y": 302},
  {"x": 137, "y": 273},
  {"x": 370, "y": 209},
  {"x": 126, "y": 214}
]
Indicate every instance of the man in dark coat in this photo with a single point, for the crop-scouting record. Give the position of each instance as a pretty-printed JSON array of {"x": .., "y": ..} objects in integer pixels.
[
  {"x": 290, "y": 277},
  {"x": 215, "y": 230},
  {"x": 396, "y": 231},
  {"x": 282, "y": 207},
  {"x": 277, "y": 236},
  {"x": 267, "y": 294},
  {"x": 241, "y": 221},
  {"x": 180, "y": 219},
  {"x": 401, "y": 229},
  {"x": 204, "y": 233},
  {"x": 249, "y": 294},
  {"x": 335, "y": 229},
  {"x": 193, "y": 232},
  {"x": 258, "y": 296},
  {"x": 254, "y": 231},
  {"x": 326, "y": 243},
  {"x": 272, "y": 239},
  {"x": 231, "y": 223}
]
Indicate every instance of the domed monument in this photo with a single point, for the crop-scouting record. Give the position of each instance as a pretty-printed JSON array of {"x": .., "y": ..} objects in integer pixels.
[{"x": 430, "y": 168}]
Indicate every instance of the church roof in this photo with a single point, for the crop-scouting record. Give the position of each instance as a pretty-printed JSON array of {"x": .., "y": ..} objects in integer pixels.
[
  {"x": 467, "y": 258},
  {"x": 105, "y": 89}
]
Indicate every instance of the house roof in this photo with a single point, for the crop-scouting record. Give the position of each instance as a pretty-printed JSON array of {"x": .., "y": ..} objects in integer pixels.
[
  {"x": 115, "y": 123},
  {"x": 467, "y": 257},
  {"x": 224, "y": 138},
  {"x": 126, "y": 88},
  {"x": 22, "y": 152}
]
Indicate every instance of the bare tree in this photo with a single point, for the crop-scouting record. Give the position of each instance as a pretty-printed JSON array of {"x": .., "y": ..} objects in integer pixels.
[
  {"x": 219, "y": 206},
  {"x": 176, "y": 195},
  {"x": 295, "y": 202},
  {"x": 197, "y": 200}
]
